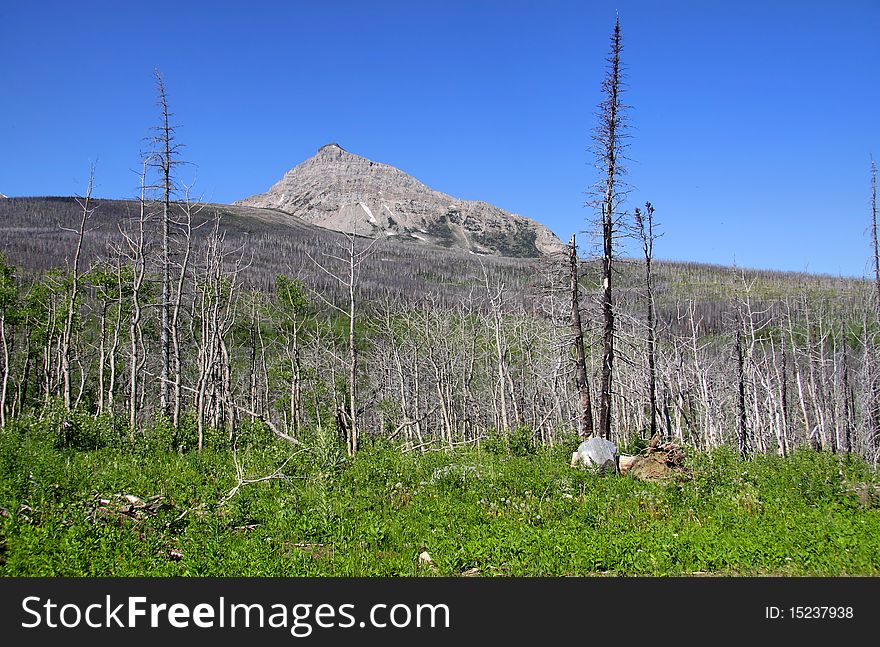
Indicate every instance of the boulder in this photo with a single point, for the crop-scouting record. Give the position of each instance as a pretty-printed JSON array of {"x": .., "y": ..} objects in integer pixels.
[{"x": 597, "y": 453}]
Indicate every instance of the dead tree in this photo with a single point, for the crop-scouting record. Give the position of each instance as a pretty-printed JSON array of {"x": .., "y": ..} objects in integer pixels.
[
  {"x": 845, "y": 403},
  {"x": 352, "y": 262},
  {"x": 290, "y": 310},
  {"x": 645, "y": 229},
  {"x": 8, "y": 298},
  {"x": 742, "y": 424},
  {"x": 108, "y": 285},
  {"x": 874, "y": 241},
  {"x": 135, "y": 250},
  {"x": 495, "y": 300},
  {"x": 214, "y": 302},
  {"x": 585, "y": 420},
  {"x": 188, "y": 210},
  {"x": 609, "y": 151},
  {"x": 67, "y": 332},
  {"x": 165, "y": 160},
  {"x": 870, "y": 351}
]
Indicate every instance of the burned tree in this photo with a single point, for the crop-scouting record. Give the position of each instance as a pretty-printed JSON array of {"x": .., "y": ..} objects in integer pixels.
[
  {"x": 585, "y": 419},
  {"x": 8, "y": 298},
  {"x": 165, "y": 160},
  {"x": 874, "y": 242},
  {"x": 348, "y": 280},
  {"x": 870, "y": 350},
  {"x": 134, "y": 250},
  {"x": 608, "y": 138},
  {"x": 645, "y": 230},
  {"x": 66, "y": 339}
]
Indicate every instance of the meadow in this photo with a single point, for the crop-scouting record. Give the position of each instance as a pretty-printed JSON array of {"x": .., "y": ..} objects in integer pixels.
[{"x": 505, "y": 508}]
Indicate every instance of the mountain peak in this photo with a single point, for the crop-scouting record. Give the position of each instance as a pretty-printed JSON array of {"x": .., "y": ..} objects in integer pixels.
[
  {"x": 345, "y": 192},
  {"x": 332, "y": 147}
]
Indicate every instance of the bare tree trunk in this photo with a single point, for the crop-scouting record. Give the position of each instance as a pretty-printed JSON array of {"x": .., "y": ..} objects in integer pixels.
[
  {"x": 102, "y": 325},
  {"x": 874, "y": 241},
  {"x": 645, "y": 225},
  {"x": 114, "y": 347},
  {"x": 847, "y": 412},
  {"x": 352, "y": 358},
  {"x": 874, "y": 402},
  {"x": 3, "y": 388},
  {"x": 352, "y": 261},
  {"x": 495, "y": 299},
  {"x": 136, "y": 252},
  {"x": 164, "y": 159},
  {"x": 610, "y": 147},
  {"x": 797, "y": 377},
  {"x": 585, "y": 420},
  {"x": 67, "y": 334},
  {"x": 741, "y": 394},
  {"x": 174, "y": 324}
]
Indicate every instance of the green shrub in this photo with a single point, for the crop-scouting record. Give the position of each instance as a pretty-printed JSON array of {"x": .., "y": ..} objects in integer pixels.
[{"x": 517, "y": 442}]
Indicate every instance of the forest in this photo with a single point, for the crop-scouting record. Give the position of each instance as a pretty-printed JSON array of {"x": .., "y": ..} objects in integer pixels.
[{"x": 190, "y": 388}]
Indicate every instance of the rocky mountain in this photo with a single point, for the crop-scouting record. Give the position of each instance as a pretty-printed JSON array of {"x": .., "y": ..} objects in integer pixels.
[{"x": 345, "y": 192}]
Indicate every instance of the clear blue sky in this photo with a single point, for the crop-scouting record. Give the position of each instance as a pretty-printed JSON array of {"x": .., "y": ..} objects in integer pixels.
[{"x": 753, "y": 121}]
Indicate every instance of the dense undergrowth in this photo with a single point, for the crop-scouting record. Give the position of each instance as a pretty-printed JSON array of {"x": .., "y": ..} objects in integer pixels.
[{"x": 503, "y": 509}]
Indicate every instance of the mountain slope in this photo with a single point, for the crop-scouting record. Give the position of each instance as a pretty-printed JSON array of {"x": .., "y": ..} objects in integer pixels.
[{"x": 345, "y": 192}]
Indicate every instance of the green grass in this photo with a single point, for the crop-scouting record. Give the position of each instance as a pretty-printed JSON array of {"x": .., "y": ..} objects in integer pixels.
[{"x": 504, "y": 515}]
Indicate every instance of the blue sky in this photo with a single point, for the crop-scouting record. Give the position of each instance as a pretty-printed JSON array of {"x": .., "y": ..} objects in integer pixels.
[{"x": 753, "y": 122}]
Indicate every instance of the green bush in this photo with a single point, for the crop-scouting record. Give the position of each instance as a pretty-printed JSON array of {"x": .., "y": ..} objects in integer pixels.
[{"x": 517, "y": 442}]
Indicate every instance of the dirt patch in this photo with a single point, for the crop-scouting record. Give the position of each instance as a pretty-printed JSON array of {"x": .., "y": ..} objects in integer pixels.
[{"x": 659, "y": 462}]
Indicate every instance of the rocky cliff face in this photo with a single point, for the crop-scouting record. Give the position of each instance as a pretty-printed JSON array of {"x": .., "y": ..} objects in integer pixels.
[{"x": 345, "y": 192}]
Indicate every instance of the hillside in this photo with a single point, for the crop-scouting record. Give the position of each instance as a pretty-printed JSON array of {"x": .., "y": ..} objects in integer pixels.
[{"x": 35, "y": 236}]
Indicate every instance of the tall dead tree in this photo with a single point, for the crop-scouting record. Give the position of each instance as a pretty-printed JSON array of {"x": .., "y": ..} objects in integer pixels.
[
  {"x": 645, "y": 229},
  {"x": 876, "y": 246},
  {"x": 135, "y": 251},
  {"x": 845, "y": 401},
  {"x": 742, "y": 425},
  {"x": 66, "y": 339},
  {"x": 870, "y": 350},
  {"x": 348, "y": 280},
  {"x": 165, "y": 159},
  {"x": 609, "y": 152},
  {"x": 585, "y": 419},
  {"x": 8, "y": 299},
  {"x": 188, "y": 210}
]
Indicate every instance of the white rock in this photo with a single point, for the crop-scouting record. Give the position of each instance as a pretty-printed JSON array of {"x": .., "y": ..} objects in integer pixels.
[{"x": 595, "y": 452}]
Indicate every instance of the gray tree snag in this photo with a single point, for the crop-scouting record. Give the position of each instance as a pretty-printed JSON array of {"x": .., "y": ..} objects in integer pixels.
[
  {"x": 8, "y": 299},
  {"x": 188, "y": 210},
  {"x": 585, "y": 419},
  {"x": 870, "y": 349},
  {"x": 609, "y": 148},
  {"x": 348, "y": 281},
  {"x": 67, "y": 332},
  {"x": 741, "y": 393},
  {"x": 645, "y": 229},
  {"x": 874, "y": 242},
  {"x": 164, "y": 159},
  {"x": 135, "y": 251}
]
